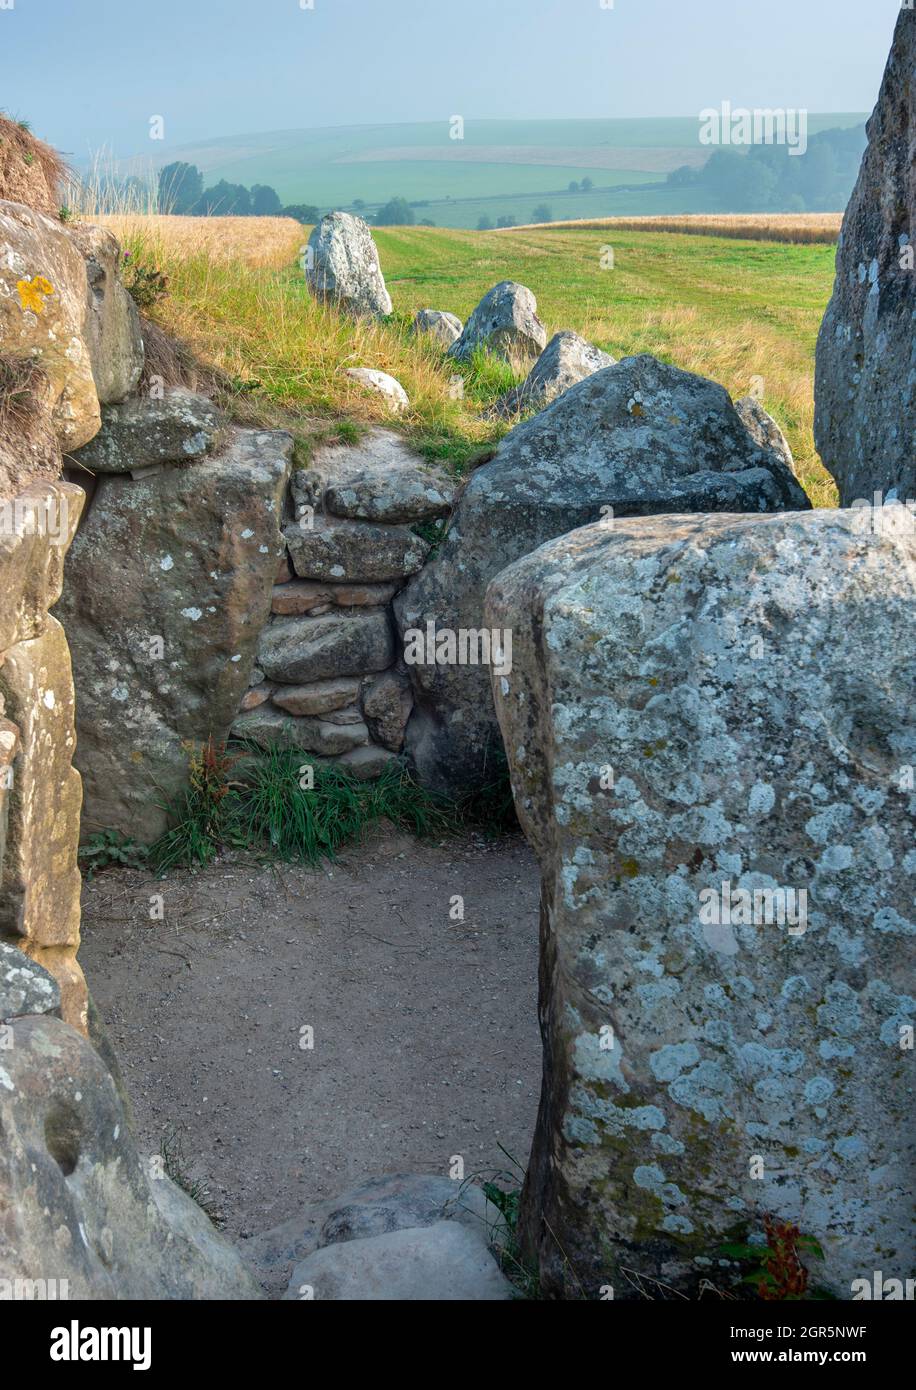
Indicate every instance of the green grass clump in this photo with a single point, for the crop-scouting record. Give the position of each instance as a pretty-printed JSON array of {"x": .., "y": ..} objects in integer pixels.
[{"x": 283, "y": 804}]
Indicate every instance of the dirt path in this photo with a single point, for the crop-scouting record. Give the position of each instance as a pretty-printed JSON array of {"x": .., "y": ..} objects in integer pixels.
[{"x": 425, "y": 1028}]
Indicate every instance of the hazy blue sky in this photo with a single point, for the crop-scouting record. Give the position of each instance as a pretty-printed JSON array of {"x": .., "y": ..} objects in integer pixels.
[{"x": 92, "y": 72}]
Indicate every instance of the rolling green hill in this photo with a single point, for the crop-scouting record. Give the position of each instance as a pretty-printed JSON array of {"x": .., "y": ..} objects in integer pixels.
[{"x": 499, "y": 168}]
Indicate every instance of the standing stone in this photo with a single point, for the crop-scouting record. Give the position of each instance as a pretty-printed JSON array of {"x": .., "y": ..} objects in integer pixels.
[
  {"x": 343, "y": 266},
  {"x": 113, "y": 323},
  {"x": 39, "y": 790},
  {"x": 506, "y": 324},
  {"x": 169, "y": 586},
  {"x": 43, "y": 317},
  {"x": 638, "y": 438},
  {"x": 698, "y": 702},
  {"x": 865, "y": 383}
]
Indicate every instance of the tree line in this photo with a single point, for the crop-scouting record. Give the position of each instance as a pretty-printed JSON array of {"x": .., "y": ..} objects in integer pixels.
[
  {"x": 770, "y": 179},
  {"x": 182, "y": 193}
]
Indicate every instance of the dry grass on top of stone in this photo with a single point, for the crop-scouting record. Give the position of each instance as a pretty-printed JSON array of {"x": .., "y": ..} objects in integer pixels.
[{"x": 31, "y": 172}]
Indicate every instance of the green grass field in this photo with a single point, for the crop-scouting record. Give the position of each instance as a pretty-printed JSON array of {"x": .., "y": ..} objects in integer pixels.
[{"x": 728, "y": 309}]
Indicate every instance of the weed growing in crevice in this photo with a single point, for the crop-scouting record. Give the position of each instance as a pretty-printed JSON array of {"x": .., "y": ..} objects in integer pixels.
[{"x": 195, "y": 1188}]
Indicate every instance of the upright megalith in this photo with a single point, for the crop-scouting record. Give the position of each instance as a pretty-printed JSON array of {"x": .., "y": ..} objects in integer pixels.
[
  {"x": 191, "y": 550},
  {"x": 342, "y": 266},
  {"x": 637, "y": 438},
  {"x": 712, "y": 742},
  {"x": 865, "y": 384}
]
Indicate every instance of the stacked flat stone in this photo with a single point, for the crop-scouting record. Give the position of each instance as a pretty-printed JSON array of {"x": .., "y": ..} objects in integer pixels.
[{"x": 327, "y": 679}]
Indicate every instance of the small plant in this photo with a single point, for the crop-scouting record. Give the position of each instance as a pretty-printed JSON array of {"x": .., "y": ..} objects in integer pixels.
[
  {"x": 200, "y": 815},
  {"x": 196, "y": 1188},
  {"x": 109, "y": 848},
  {"x": 66, "y": 214},
  {"x": 146, "y": 285},
  {"x": 778, "y": 1273}
]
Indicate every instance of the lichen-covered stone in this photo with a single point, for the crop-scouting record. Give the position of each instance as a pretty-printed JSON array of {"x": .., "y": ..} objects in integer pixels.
[
  {"x": 506, "y": 324},
  {"x": 387, "y": 703},
  {"x": 865, "y": 383},
  {"x": 761, "y": 426},
  {"x": 318, "y": 697},
  {"x": 113, "y": 325},
  {"x": 442, "y": 326},
  {"x": 273, "y": 728},
  {"x": 302, "y": 650},
  {"x": 43, "y": 317},
  {"x": 638, "y": 438},
  {"x": 383, "y": 384},
  {"x": 566, "y": 360},
  {"x": 177, "y": 427},
  {"x": 697, "y": 702},
  {"x": 25, "y": 988},
  {"x": 354, "y": 552},
  {"x": 343, "y": 266},
  {"x": 82, "y": 1211},
  {"x": 168, "y": 588}
]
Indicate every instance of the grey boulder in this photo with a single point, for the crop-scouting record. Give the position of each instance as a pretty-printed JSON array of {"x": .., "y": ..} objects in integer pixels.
[
  {"x": 343, "y": 266},
  {"x": 147, "y": 431},
  {"x": 349, "y": 552},
  {"x": 505, "y": 323},
  {"x": 566, "y": 360},
  {"x": 444, "y": 327},
  {"x": 635, "y": 439}
]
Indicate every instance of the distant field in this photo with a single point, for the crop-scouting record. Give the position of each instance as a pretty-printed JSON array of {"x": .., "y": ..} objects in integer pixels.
[
  {"x": 499, "y": 168},
  {"x": 800, "y": 228},
  {"x": 729, "y": 309}
]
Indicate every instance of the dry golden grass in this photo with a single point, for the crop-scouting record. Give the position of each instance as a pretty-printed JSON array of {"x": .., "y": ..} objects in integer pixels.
[
  {"x": 31, "y": 172},
  {"x": 257, "y": 242},
  {"x": 803, "y": 228}
]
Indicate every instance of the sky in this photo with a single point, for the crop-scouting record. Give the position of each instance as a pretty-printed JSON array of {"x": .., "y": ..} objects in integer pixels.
[{"x": 89, "y": 74}]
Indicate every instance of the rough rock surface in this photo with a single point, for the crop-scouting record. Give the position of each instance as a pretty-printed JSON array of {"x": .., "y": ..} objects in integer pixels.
[
  {"x": 638, "y": 438},
  {"x": 761, "y": 426},
  {"x": 383, "y": 384},
  {"x": 335, "y": 550},
  {"x": 25, "y": 988},
  {"x": 79, "y": 1207},
  {"x": 865, "y": 383},
  {"x": 566, "y": 360},
  {"x": 444, "y": 327},
  {"x": 506, "y": 324},
  {"x": 440, "y": 1264},
  {"x": 43, "y": 317},
  {"x": 272, "y": 728},
  {"x": 302, "y": 650},
  {"x": 191, "y": 555},
  {"x": 36, "y": 529},
  {"x": 387, "y": 703},
  {"x": 113, "y": 324},
  {"x": 343, "y": 266},
  {"x": 141, "y": 433},
  {"x": 698, "y": 702},
  {"x": 406, "y": 495}
]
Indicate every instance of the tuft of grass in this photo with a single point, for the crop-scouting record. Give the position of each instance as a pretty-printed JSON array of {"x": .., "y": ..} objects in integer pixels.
[
  {"x": 284, "y": 804},
  {"x": 196, "y": 1188}
]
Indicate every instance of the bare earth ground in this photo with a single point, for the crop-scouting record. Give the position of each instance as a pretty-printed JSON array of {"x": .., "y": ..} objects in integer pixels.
[{"x": 425, "y": 1029}]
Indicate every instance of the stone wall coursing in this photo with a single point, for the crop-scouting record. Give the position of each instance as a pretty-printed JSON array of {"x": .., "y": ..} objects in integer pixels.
[
  {"x": 697, "y": 702},
  {"x": 865, "y": 383},
  {"x": 329, "y": 679}
]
